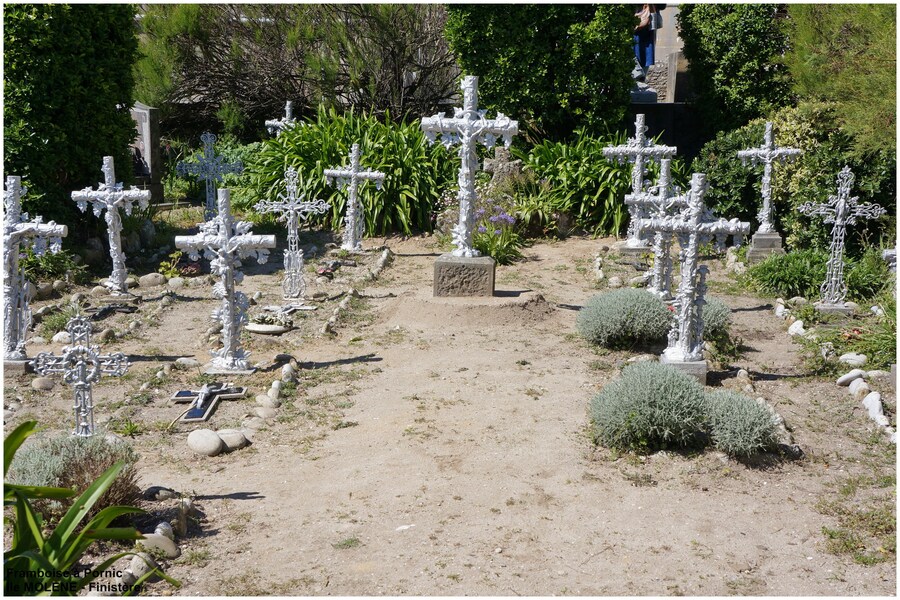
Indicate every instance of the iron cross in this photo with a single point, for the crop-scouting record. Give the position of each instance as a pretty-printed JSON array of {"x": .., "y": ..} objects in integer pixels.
[{"x": 210, "y": 168}]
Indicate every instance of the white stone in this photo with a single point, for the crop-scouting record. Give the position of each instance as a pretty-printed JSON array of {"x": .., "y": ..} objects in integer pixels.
[
  {"x": 152, "y": 280},
  {"x": 274, "y": 392},
  {"x": 265, "y": 412},
  {"x": 61, "y": 337},
  {"x": 882, "y": 420},
  {"x": 267, "y": 401},
  {"x": 796, "y": 328},
  {"x": 165, "y": 528},
  {"x": 232, "y": 438},
  {"x": 856, "y": 385},
  {"x": 853, "y": 359},
  {"x": 154, "y": 541},
  {"x": 872, "y": 403},
  {"x": 877, "y": 311},
  {"x": 288, "y": 374},
  {"x": 878, "y": 374},
  {"x": 277, "y": 385},
  {"x": 167, "y": 301},
  {"x": 615, "y": 282},
  {"x": 206, "y": 442},
  {"x": 266, "y": 328},
  {"x": 176, "y": 283},
  {"x": 187, "y": 362},
  {"x": 781, "y": 311},
  {"x": 846, "y": 379},
  {"x": 99, "y": 291},
  {"x": 253, "y": 423},
  {"x": 141, "y": 564},
  {"x": 42, "y": 384},
  {"x": 851, "y": 305},
  {"x": 798, "y": 301}
]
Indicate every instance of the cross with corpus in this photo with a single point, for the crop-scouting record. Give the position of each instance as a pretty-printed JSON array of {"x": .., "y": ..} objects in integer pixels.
[
  {"x": 638, "y": 150},
  {"x": 694, "y": 226},
  {"x": 659, "y": 201},
  {"x": 82, "y": 365},
  {"x": 210, "y": 168},
  {"x": 276, "y": 126},
  {"x": 354, "y": 222},
  {"x": 767, "y": 154},
  {"x": 468, "y": 127},
  {"x": 19, "y": 230},
  {"x": 223, "y": 241},
  {"x": 842, "y": 210},
  {"x": 110, "y": 196},
  {"x": 292, "y": 208}
]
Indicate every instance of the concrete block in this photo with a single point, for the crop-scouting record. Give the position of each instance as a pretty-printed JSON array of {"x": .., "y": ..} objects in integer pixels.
[
  {"x": 696, "y": 368},
  {"x": 762, "y": 245},
  {"x": 460, "y": 276}
]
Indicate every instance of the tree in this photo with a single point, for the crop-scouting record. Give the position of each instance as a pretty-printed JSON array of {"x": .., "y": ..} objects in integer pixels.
[
  {"x": 734, "y": 53},
  {"x": 237, "y": 64},
  {"x": 846, "y": 54},
  {"x": 67, "y": 91},
  {"x": 552, "y": 67}
]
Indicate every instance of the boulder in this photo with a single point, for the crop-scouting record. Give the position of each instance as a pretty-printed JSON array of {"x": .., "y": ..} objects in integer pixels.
[
  {"x": 44, "y": 290},
  {"x": 853, "y": 359},
  {"x": 61, "y": 337},
  {"x": 796, "y": 328},
  {"x": 154, "y": 541},
  {"x": 205, "y": 442},
  {"x": 232, "y": 438},
  {"x": 152, "y": 280},
  {"x": 42, "y": 384},
  {"x": 845, "y": 380}
]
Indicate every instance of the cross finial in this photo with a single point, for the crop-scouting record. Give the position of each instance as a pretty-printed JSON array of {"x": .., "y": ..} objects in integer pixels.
[
  {"x": 470, "y": 93},
  {"x": 12, "y": 199},
  {"x": 288, "y": 110},
  {"x": 845, "y": 181},
  {"x": 109, "y": 172}
]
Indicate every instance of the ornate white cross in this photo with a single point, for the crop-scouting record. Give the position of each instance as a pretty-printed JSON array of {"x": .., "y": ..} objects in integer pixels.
[
  {"x": 276, "y": 126},
  {"x": 293, "y": 208},
  {"x": 110, "y": 196},
  {"x": 660, "y": 201},
  {"x": 210, "y": 168},
  {"x": 767, "y": 154},
  {"x": 638, "y": 150},
  {"x": 842, "y": 210},
  {"x": 355, "y": 219},
  {"x": 81, "y": 365},
  {"x": 223, "y": 242},
  {"x": 468, "y": 128},
  {"x": 694, "y": 226},
  {"x": 19, "y": 230}
]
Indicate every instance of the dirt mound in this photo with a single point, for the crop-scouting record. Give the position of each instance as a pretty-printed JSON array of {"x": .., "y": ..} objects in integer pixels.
[{"x": 424, "y": 310}]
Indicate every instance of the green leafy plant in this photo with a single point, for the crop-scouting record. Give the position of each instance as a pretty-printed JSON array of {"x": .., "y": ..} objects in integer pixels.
[
  {"x": 624, "y": 318},
  {"x": 170, "y": 267},
  {"x": 49, "y": 266},
  {"x": 739, "y": 426},
  {"x": 55, "y": 322},
  {"x": 651, "y": 406},
  {"x": 39, "y": 563}
]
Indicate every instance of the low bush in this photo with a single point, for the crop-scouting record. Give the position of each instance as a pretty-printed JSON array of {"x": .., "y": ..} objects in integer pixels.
[
  {"x": 739, "y": 425},
  {"x": 74, "y": 463},
  {"x": 624, "y": 318},
  {"x": 716, "y": 317},
  {"x": 651, "y": 406},
  {"x": 49, "y": 266}
]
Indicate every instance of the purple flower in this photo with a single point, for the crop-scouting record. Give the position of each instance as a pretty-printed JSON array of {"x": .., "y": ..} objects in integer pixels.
[
  {"x": 497, "y": 232},
  {"x": 494, "y": 218},
  {"x": 479, "y": 213},
  {"x": 482, "y": 229}
]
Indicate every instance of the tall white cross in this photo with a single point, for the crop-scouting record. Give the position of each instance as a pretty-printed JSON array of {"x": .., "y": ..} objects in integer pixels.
[
  {"x": 210, "y": 168},
  {"x": 223, "y": 241},
  {"x": 111, "y": 196},
  {"x": 638, "y": 150},
  {"x": 276, "y": 126},
  {"x": 355, "y": 219},
  {"x": 19, "y": 230},
  {"x": 660, "y": 201},
  {"x": 468, "y": 128},
  {"x": 842, "y": 210},
  {"x": 292, "y": 208},
  {"x": 694, "y": 226},
  {"x": 82, "y": 365},
  {"x": 767, "y": 154}
]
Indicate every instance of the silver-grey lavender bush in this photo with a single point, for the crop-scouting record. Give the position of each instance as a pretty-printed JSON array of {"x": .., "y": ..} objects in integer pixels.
[
  {"x": 623, "y": 318},
  {"x": 740, "y": 426}
]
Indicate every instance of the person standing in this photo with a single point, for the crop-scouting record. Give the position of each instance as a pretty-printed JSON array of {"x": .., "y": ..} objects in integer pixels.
[{"x": 649, "y": 20}]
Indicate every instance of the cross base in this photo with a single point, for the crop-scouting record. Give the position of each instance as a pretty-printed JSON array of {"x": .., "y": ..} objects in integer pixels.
[
  {"x": 833, "y": 309},
  {"x": 118, "y": 298},
  {"x": 762, "y": 245},
  {"x": 624, "y": 249},
  {"x": 694, "y": 368},
  {"x": 211, "y": 369},
  {"x": 17, "y": 366},
  {"x": 460, "y": 276}
]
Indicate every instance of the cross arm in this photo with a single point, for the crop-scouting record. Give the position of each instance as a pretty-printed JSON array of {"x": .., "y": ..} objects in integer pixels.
[
  {"x": 114, "y": 364},
  {"x": 33, "y": 229},
  {"x": 46, "y": 363},
  {"x": 811, "y": 209}
]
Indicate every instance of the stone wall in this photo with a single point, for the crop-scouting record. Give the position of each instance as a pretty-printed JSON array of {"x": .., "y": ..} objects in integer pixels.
[{"x": 657, "y": 78}]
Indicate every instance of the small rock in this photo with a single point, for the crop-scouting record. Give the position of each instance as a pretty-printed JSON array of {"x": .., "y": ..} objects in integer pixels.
[
  {"x": 882, "y": 420},
  {"x": 853, "y": 359},
  {"x": 77, "y": 298},
  {"x": 160, "y": 374},
  {"x": 38, "y": 340},
  {"x": 845, "y": 380},
  {"x": 131, "y": 281},
  {"x": 152, "y": 280},
  {"x": 851, "y": 305},
  {"x": 288, "y": 374},
  {"x": 126, "y": 578},
  {"x": 872, "y": 403},
  {"x": 274, "y": 393},
  {"x": 187, "y": 362},
  {"x": 158, "y": 492},
  {"x": 277, "y": 385},
  {"x": 877, "y": 311},
  {"x": 878, "y": 375},
  {"x": 639, "y": 281},
  {"x": 267, "y": 401},
  {"x": 781, "y": 311},
  {"x": 134, "y": 325},
  {"x": 265, "y": 412},
  {"x": 266, "y": 328},
  {"x": 796, "y": 328},
  {"x": 30, "y": 291},
  {"x": 99, "y": 290},
  {"x": 615, "y": 282},
  {"x": 154, "y": 541},
  {"x": 44, "y": 290},
  {"x": 144, "y": 386},
  {"x": 59, "y": 286},
  {"x": 176, "y": 283},
  {"x": 253, "y": 423},
  {"x": 107, "y": 335},
  {"x": 232, "y": 438},
  {"x": 42, "y": 384},
  {"x": 61, "y": 337},
  {"x": 165, "y": 528},
  {"x": 167, "y": 301},
  {"x": 642, "y": 358},
  {"x": 798, "y": 301},
  {"x": 858, "y": 385},
  {"x": 205, "y": 442}
]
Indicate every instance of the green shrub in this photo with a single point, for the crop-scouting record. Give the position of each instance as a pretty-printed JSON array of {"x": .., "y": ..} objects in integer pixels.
[
  {"x": 415, "y": 172},
  {"x": 650, "y": 406},
  {"x": 49, "y": 266},
  {"x": 74, "y": 463},
  {"x": 716, "y": 316},
  {"x": 739, "y": 426},
  {"x": 623, "y": 318}
]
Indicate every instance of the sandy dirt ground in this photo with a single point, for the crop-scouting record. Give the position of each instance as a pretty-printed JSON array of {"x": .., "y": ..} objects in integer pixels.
[{"x": 441, "y": 446}]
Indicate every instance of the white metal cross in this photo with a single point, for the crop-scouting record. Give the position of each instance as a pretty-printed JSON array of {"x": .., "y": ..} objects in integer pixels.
[
  {"x": 110, "y": 196},
  {"x": 210, "y": 168},
  {"x": 223, "y": 241},
  {"x": 468, "y": 127},
  {"x": 293, "y": 208},
  {"x": 19, "y": 230},
  {"x": 276, "y": 126},
  {"x": 767, "y": 154},
  {"x": 354, "y": 221},
  {"x": 81, "y": 365},
  {"x": 841, "y": 210},
  {"x": 693, "y": 226},
  {"x": 638, "y": 150}
]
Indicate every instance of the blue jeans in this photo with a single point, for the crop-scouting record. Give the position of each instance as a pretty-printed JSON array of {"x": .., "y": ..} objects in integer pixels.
[{"x": 644, "y": 40}]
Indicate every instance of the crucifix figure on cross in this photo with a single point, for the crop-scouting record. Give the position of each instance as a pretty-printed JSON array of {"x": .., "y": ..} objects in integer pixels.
[
  {"x": 694, "y": 226},
  {"x": 468, "y": 127},
  {"x": 223, "y": 241},
  {"x": 293, "y": 208},
  {"x": 768, "y": 154},
  {"x": 841, "y": 210},
  {"x": 355, "y": 219},
  {"x": 638, "y": 150},
  {"x": 110, "y": 197},
  {"x": 276, "y": 126},
  {"x": 18, "y": 231},
  {"x": 210, "y": 168},
  {"x": 660, "y": 201},
  {"x": 81, "y": 365}
]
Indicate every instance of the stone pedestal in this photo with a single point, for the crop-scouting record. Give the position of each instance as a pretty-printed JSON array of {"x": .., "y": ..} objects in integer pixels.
[
  {"x": 211, "y": 369},
  {"x": 118, "y": 299},
  {"x": 17, "y": 366},
  {"x": 460, "y": 276},
  {"x": 631, "y": 251},
  {"x": 762, "y": 245},
  {"x": 695, "y": 368},
  {"x": 833, "y": 309}
]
